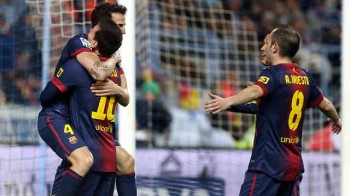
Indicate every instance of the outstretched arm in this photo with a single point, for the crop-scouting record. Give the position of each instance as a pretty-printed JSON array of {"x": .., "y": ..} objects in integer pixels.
[
  {"x": 218, "y": 104},
  {"x": 97, "y": 69},
  {"x": 329, "y": 110},
  {"x": 248, "y": 108}
]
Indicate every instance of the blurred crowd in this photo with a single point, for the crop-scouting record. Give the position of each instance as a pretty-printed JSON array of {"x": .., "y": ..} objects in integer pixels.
[
  {"x": 196, "y": 46},
  {"x": 20, "y": 55},
  {"x": 211, "y": 45}
]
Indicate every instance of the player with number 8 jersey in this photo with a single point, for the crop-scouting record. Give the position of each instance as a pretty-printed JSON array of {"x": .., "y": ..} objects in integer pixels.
[
  {"x": 283, "y": 92},
  {"x": 279, "y": 153}
]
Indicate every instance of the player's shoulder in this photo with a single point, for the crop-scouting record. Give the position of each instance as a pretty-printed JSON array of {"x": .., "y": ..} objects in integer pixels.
[
  {"x": 73, "y": 63},
  {"x": 305, "y": 70},
  {"x": 268, "y": 69},
  {"x": 79, "y": 40}
]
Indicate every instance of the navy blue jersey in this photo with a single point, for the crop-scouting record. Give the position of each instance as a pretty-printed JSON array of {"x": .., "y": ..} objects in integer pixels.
[
  {"x": 59, "y": 106},
  {"x": 248, "y": 108},
  {"x": 74, "y": 46},
  {"x": 288, "y": 91},
  {"x": 93, "y": 116}
]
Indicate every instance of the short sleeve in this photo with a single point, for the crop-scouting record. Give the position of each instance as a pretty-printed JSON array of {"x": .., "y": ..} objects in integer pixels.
[
  {"x": 77, "y": 45},
  {"x": 316, "y": 95},
  {"x": 266, "y": 81},
  {"x": 65, "y": 76}
]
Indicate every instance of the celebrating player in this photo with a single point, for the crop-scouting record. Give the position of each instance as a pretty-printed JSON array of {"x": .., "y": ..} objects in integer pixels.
[
  {"x": 69, "y": 131},
  {"x": 285, "y": 91},
  {"x": 125, "y": 183}
]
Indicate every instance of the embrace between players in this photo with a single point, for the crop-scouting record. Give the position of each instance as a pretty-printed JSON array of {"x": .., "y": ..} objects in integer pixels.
[{"x": 77, "y": 119}]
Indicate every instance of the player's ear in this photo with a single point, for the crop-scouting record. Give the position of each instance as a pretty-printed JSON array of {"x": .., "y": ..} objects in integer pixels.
[
  {"x": 274, "y": 48},
  {"x": 94, "y": 44}
]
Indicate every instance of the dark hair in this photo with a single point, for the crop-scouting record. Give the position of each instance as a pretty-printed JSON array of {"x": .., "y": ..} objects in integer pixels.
[
  {"x": 106, "y": 9},
  {"x": 287, "y": 39},
  {"x": 109, "y": 37}
]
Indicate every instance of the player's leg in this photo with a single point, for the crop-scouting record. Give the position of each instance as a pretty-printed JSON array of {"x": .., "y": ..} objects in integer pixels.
[
  {"x": 58, "y": 176},
  {"x": 296, "y": 189},
  {"x": 106, "y": 184},
  {"x": 80, "y": 161},
  {"x": 90, "y": 184},
  {"x": 257, "y": 183},
  {"x": 67, "y": 144},
  {"x": 125, "y": 178}
]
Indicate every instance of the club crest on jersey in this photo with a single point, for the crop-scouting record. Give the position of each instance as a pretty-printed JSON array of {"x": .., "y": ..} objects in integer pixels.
[
  {"x": 264, "y": 79},
  {"x": 73, "y": 140},
  {"x": 85, "y": 42}
]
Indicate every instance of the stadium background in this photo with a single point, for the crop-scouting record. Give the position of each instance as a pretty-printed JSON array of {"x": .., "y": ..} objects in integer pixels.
[{"x": 183, "y": 50}]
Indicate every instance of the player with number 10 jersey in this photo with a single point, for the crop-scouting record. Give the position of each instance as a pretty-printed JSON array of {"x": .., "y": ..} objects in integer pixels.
[{"x": 95, "y": 116}]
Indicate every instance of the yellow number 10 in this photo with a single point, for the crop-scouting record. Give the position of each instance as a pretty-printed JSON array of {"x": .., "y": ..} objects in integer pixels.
[
  {"x": 100, "y": 113},
  {"x": 295, "y": 114}
]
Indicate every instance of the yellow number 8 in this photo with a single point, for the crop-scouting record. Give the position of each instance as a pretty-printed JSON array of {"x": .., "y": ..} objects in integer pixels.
[{"x": 295, "y": 114}]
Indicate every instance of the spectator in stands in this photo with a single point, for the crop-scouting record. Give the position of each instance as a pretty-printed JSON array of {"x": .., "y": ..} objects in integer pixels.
[
  {"x": 2, "y": 93},
  {"x": 6, "y": 46},
  {"x": 20, "y": 59},
  {"x": 152, "y": 115},
  {"x": 27, "y": 44}
]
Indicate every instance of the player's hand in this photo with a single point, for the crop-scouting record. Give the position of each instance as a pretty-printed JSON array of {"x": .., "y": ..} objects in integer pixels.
[
  {"x": 105, "y": 88},
  {"x": 216, "y": 104},
  {"x": 336, "y": 126},
  {"x": 117, "y": 56}
]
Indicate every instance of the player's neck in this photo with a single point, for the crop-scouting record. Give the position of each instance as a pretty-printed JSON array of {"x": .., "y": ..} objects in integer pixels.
[
  {"x": 97, "y": 52},
  {"x": 282, "y": 60}
]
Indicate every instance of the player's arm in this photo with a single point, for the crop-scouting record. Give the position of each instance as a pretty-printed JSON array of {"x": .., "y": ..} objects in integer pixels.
[
  {"x": 248, "y": 108},
  {"x": 329, "y": 110},
  {"x": 218, "y": 104},
  {"x": 49, "y": 94},
  {"x": 109, "y": 88},
  {"x": 63, "y": 80},
  {"x": 123, "y": 97},
  {"x": 97, "y": 69}
]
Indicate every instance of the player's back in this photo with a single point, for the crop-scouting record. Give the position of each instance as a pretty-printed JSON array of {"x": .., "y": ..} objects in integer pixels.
[
  {"x": 75, "y": 45},
  {"x": 59, "y": 106},
  {"x": 288, "y": 91},
  {"x": 93, "y": 116}
]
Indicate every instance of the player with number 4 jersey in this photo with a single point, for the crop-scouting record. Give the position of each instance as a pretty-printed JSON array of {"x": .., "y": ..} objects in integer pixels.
[
  {"x": 94, "y": 116},
  {"x": 66, "y": 126}
]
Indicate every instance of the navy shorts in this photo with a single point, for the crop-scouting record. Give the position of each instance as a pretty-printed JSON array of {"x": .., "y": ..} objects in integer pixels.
[
  {"x": 257, "y": 184},
  {"x": 94, "y": 183},
  {"x": 59, "y": 134}
]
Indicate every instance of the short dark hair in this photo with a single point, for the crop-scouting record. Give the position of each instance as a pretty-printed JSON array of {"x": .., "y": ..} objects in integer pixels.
[
  {"x": 287, "y": 39},
  {"x": 109, "y": 37},
  {"x": 106, "y": 9}
]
